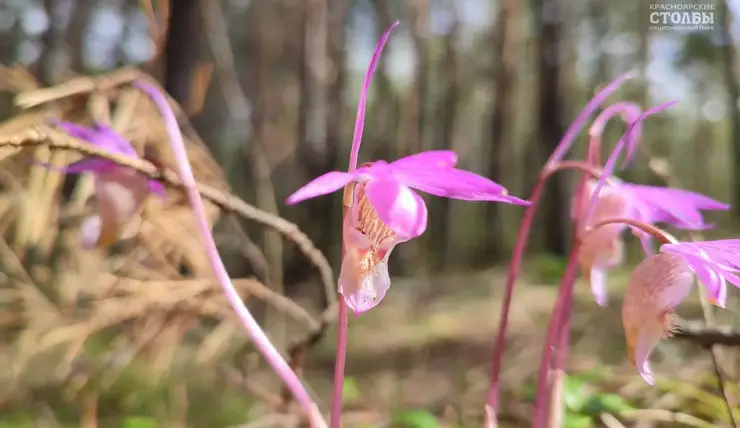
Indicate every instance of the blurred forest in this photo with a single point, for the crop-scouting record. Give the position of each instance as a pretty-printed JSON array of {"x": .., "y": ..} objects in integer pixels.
[{"x": 270, "y": 87}]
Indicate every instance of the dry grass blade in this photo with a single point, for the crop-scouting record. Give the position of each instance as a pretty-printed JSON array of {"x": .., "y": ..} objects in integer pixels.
[
  {"x": 657, "y": 415},
  {"x": 76, "y": 86}
]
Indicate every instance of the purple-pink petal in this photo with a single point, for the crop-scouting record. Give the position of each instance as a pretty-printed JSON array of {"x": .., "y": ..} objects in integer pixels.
[
  {"x": 630, "y": 112},
  {"x": 677, "y": 207},
  {"x": 156, "y": 187},
  {"x": 76, "y": 131},
  {"x": 101, "y": 136},
  {"x": 614, "y": 155},
  {"x": 398, "y": 207},
  {"x": 321, "y": 185},
  {"x": 455, "y": 184},
  {"x": 714, "y": 262},
  {"x": 427, "y": 159},
  {"x": 91, "y": 164},
  {"x": 360, "y": 118},
  {"x": 575, "y": 127}
]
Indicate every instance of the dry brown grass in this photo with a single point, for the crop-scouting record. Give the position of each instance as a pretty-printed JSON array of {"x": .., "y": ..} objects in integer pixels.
[{"x": 56, "y": 297}]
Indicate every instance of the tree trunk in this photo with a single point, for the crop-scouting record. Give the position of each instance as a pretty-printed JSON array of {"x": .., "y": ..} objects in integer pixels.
[
  {"x": 550, "y": 127},
  {"x": 75, "y": 34},
  {"x": 384, "y": 109},
  {"x": 415, "y": 108},
  {"x": 503, "y": 83},
  {"x": 733, "y": 97},
  {"x": 320, "y": 118},
  {"x": 46, "y": 68},
  {"x": 182, "y": 48},
  {"x": 439, "y": 232}
]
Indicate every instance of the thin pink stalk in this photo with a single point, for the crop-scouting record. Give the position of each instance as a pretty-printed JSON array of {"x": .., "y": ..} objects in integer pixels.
[
  {"x": 339, "y": 364},
  {"x": 593, "y": 159},
  {"x": 629, "y": 112},
  {"x": 256, "y": 334},
  {"x": 343, "y": 312},
  {"x": 565, "y": 294},
  {"x": 555, "y": 403},
  {"x": 520, "y": 246},
  {"x": 566, "y": 285}
]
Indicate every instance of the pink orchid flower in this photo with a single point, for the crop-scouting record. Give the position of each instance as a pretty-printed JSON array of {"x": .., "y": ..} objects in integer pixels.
[
  {"x": 383, "y": 210},
  {"x": 120, "y": 191},
  {"x": 603, "y": 249},
  {"x": 659, "y": 284}
]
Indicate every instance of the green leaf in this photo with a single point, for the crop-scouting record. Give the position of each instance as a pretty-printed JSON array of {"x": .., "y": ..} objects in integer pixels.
[
  {"x": 350, "y": 390},
  {"x": 610, "y": 403},
  {"x": 416, "y": 419},
  {"x": 574, "y": 420},
  {"x": 575, "y": 394},
  {"x": 139, "y": 422}
]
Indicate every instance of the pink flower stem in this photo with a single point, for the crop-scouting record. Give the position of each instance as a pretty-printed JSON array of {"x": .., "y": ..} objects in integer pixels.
[
  {"x": 514, "y": 267},
  {"x": 522, "y": 236},
  {"x": 655, "y": 231},
  {"x": 256, "y": 334},
  {"x": 343, "y": 315},
  {"x": 555, "y": 403},
  {"x": 566, "y": 285},
  {"x": 339, "y": 363},
  {"x": 553, "y": 338}
]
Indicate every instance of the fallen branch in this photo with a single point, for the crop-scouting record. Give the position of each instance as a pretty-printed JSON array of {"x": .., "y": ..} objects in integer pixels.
[{"x": 707, "y": 336}]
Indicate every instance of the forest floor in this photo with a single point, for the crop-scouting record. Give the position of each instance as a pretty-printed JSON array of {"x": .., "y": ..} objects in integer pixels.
[
  {"x": 419, "y": 360},
  {"x": 428, "y": 346}
]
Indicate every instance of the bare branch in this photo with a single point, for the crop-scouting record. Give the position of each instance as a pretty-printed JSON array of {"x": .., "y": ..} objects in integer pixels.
[
  {"x": 55, "y": 139},
  {"x": 701, "y": 334}
]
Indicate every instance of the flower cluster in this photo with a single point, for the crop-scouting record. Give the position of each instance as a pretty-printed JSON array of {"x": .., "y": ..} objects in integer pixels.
[
  {"x": 609, "y": 206},
  {"x": 602, "y": 249},
  {"x": 383, "y": 209}
]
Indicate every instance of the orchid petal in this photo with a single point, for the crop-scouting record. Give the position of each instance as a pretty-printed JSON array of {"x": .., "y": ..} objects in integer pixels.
[
  {"x": 657, "y": 285},
  {"x": 677, "y": 207},
  {"x": 427, "y": 159},
  {"x": 715, "y": 283},
  {"x": 363, "y": 290},
  {"x": 647, "y": 244},
  {"x": 92, "y": 232},
  {"x": 120, "y": 196},
  {"x": 630, "y": 112},
  {"x": 611, "y": 161},
  {"x": 92, "y": 165},
  {"x": 398, "y": 207},
  {"x": 575, "y": 127},
  {"x": 714, "y": 262},
  {"x": 77, "y": 131},
  {"x": 156, "y": 187},
  {"x": 647, "y": 341},
  {"x": 321, "y": 185},
  {"x": 101, "y": 136},
  {"x": 360, "y": 119},
  {"x": 598, "y": 285},
  {"x": 455, "y": 184}
]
